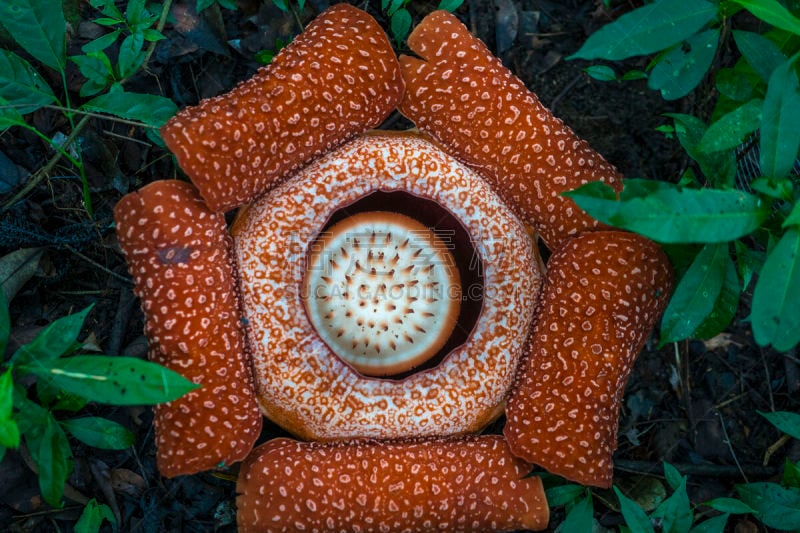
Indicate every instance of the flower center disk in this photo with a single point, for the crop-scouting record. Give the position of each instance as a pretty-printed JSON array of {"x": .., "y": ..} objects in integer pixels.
[{"x": 383, "y": 291}]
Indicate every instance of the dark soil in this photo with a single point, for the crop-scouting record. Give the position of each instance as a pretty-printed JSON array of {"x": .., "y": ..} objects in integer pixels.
[{"x": 693, "y": 404}]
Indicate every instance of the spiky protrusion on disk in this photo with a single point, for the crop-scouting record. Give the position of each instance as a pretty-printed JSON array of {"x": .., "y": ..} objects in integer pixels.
[
  {"x": 602, "y": 296},
  {"x": 383, "y": 292},
  {"x": 471, "y": 484}
]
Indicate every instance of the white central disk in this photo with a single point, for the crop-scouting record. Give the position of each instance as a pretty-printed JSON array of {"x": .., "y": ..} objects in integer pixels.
[{"x": 383, "y": 292}]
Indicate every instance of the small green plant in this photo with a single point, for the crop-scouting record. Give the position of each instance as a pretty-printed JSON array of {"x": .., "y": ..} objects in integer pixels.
[
  {"x": 400, "y": 17},
  {"x": 776, "y": 505},
  {"x": 65, "y": 381},
  {"x": 40, "y": 30},
  {"x": 720, "y": 231}
]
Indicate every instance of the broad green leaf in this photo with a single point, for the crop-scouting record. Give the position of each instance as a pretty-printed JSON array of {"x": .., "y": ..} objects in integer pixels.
[
  {"x": 684, "y": 66},
  {"x": 635, "y": 518},
  {"x": 96, "y": 68},
  {"x": 785, "y": 421},
  {"x": 748, "y": 262},
  {"x": 648, "y": 29},
  {"x": 779, "y": 188},
  {"x": 115, "y": 380},
  {"x": 401, "y": 25},
  {"x": 776, "y": 506},
  {"x": 39, "y": 27},
  {"x": 21, "y": 85},
  {"x": 772, "y": 12},
  {"x": 675, "y": 512},
  {"x": 131, "y": 55},
  {"x": 732, "y": 84},
  {"x": 564, "y": 494},
  {"x": 99, "y": 432},
  {"x": 52, "y": 342},
  {"x": 791, "y": 475},
  {"x": 450, "y": 5},
  {"x": 696, "y": 293},
  {"x": 580, "y": 517},
  {"x": 725, "y": 305},
  {"x": 715, "y": 524},
  {"x": 729, "y": 505},
  {"x": 794, "y": 216},
  {"x": 718, "y": 167},
  {"x": 673, "y": 476},
  {"x": 732, "y": 128},
  {"x": 92, "y": 517},
  {"x": 394, "y": 5},
  {"x": 774, "y": 315},
  {"x": 760, "y": 52},
  {"x": 9, "y": 431},
  {"x": 150, "y": 109},
  {"x": 9, "y": 116},
  {"x": 50, "y": 451},
  {"x": 780, "y": 127},
  {"x": 601, "y": 72},
  {"x": 671, "y": 214},
  {"x": 202, "y": 5},
  {"x": 101, "y": 43}
]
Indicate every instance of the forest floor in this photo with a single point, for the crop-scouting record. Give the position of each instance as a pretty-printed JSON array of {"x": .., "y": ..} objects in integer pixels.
[{"x": 693, "y": 404}]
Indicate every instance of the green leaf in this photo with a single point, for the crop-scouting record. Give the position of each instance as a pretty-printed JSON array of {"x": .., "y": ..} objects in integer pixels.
[
  {"x": 9, "y": 431},
  {"x": 92, "y": 517},
  {"x": 749, "y": 262},
  {"x": 791, "y": 475},
  {"x": 729, "y": 505},
  {"x": 394, "y": 5},
  {"x": 648, "y": 29},
  {"x": 580, "y": 517},
  {"x": 675, "y": 512},
  {"x": 718, "y": 167},
  {"x": 401, "y": 25},
  {"x": 9, "y": 116},
  {"x": 684, "y": 66},
  {"x": 759, "y": 52},
  {"x": 563, "y": 494},
  {"x": 283, "y": 5},
  {"x": 712, "y": 525},
  {"x": 774, "y": 315},
  {"x": 778, "y": 188},
  {"x": 794, "y": 216},
  {"x": 50, "y": 451},
  {"x": 673, "y": 476},
  {"x": 776, "y": 506},
  {"x": 95, "y": 66},
  {"x": 785, "y": 421},
  {"x": 115, "y": 380},
  {"x": 101, "y": 43},
  {"x": 772, "y": 12},
  {"x": 732, "y": 84},
  {"x": 21, "y": 85},
  {"x": 131, "y": 56},
  {"x": 725, "y": 305},
  {"x": 99, "y": 432},
  {"x": 57, "y": 339},
  {"x": 732, "y": 128},
  {"x": 39, "y": 27},
  {"x": 52, "y": 342},
  {"x": 150, "y": 109},
  {"x": 450, "y": 5},
  {"x": 671, "y": 214},
  {"x": 780, "y": 129},
  {"x": 696, "y": 294},
  {"x": 601, "y": 73},
  {"x": 635, "y": 517}
]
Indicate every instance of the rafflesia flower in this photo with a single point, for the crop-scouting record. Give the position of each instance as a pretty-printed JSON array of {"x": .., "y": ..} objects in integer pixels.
[{"x": 380, "y": 294}]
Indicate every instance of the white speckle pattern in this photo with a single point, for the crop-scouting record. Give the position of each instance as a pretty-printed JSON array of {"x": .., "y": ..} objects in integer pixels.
[
  {"x": 602, "y": 295},
  {"x": 178, "y": 253},
  {"x": 471, "y": 484},
  {"x": 463, "y": 96},
  {"x": 305, "y": 387},
  {"x": 307, "y": 101}
]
